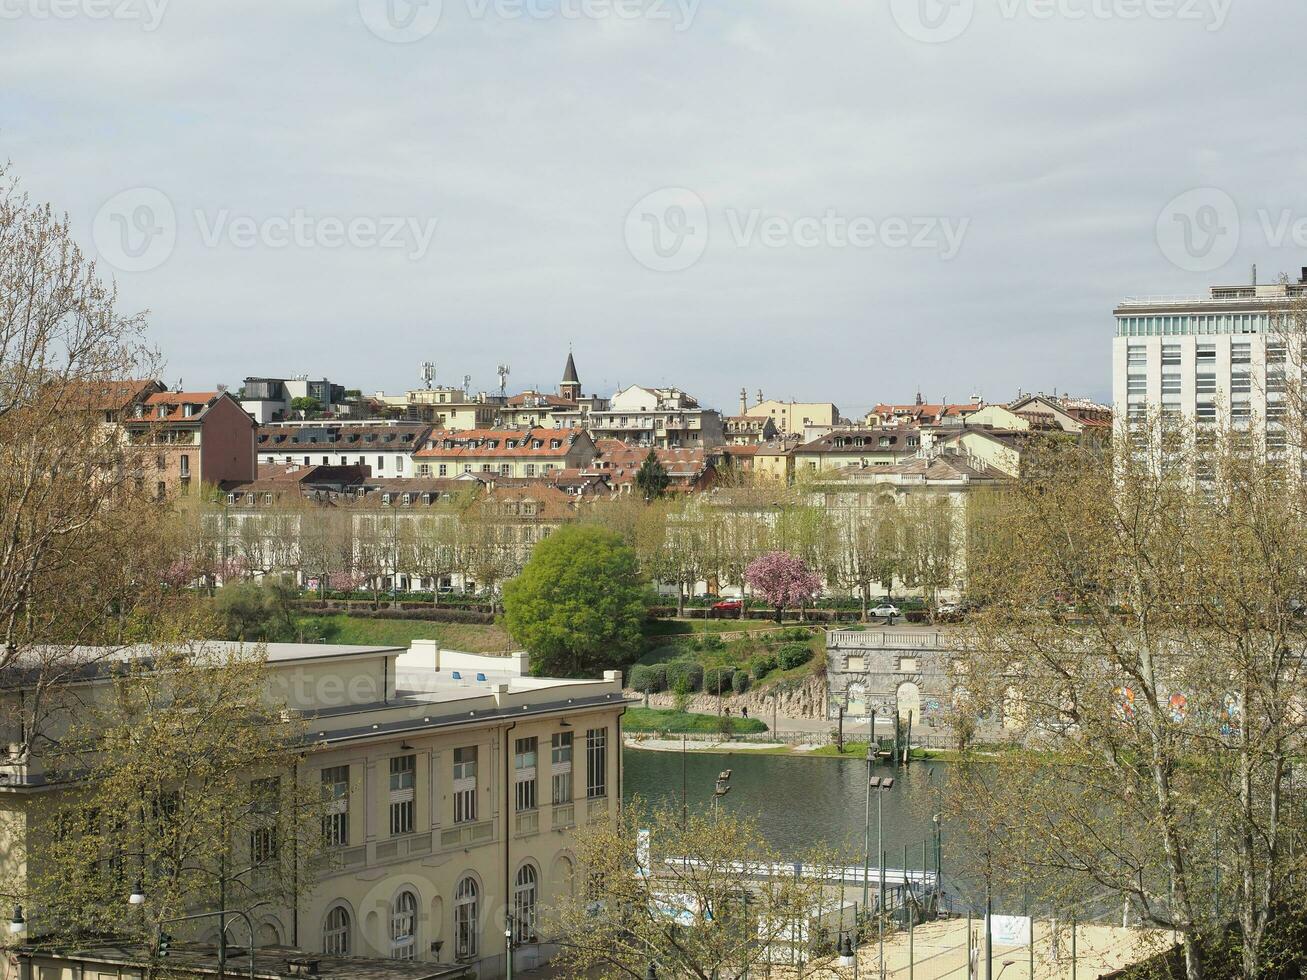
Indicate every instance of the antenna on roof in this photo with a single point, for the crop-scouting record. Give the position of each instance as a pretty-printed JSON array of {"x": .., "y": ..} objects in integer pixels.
[
  {"x": 503, "y": 371},
  {"x": 428, "y": 373},
  {"x": 467, "y": 382},
  {"x": 179, "y": 384}
]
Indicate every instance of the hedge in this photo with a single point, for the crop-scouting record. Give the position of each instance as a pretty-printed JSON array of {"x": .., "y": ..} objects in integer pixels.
[
  {"x": 740, "y": 682},
  {"x": 648, "y": 679},
  {"x": 762, "y": 665},
  {"x": 684, "y": 672},
  {"x": 794, "y": 655},
  {"x": 717, "y": 680}
]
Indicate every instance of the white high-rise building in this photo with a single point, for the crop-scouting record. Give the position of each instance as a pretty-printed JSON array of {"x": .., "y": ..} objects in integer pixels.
[{"x": 1218, "y": 359}]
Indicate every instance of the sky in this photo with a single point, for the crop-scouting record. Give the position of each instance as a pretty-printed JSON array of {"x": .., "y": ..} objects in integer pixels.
[{"x": 839, "y": 201}]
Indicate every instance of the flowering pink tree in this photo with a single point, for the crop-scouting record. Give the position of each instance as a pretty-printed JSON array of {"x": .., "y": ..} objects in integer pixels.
[
  {"x": 345, "y": 581},
  {"x": 180, "y": 573},
  {"x": 782, "y": 579}
]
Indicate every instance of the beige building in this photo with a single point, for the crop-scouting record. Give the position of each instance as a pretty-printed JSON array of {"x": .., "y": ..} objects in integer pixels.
[
  {"x": 456, "y": 782},
  {"x": 667, "y": 418},
  {"x": 445, "y": 408},
  {"x": 791, "y": 418},
  {"x": 504, "y": 452},
  {"x": 857, "y": 447}
]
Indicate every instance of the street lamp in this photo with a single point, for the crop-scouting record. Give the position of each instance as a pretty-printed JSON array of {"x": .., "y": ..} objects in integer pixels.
[
  {"x": 722, "y": 787},
  {"x": 137, "y": 897},
  {"x": 880, "y": 784},
  {"x": 847, "y": 956},
  {"x": 17, "y": 925}
]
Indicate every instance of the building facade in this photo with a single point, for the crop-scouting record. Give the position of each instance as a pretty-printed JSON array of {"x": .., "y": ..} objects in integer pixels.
[
  {"x": 792, "y": 418},
  {"x": 189, "y": 439},
  {"x": 1219, "y": 360},
  {"x": 386, "y": 447},
  {"x": 667, "y": 418},
  {"x": 455, "y": 784},
  {"x": 505, "y": 452}
]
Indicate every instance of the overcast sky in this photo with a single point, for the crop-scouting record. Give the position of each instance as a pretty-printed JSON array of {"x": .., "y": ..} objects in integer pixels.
[{"x": 834, "y": 200}]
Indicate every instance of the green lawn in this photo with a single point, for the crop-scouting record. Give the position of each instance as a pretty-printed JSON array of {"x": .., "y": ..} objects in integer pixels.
[
  {"x": 360, "y": 630},
  {"x": 671, "y": 720},
  {"x": 686, "y": 627}
]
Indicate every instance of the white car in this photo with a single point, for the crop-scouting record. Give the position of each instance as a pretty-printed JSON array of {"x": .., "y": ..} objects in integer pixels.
[
  {"x": 886, "y": 610},
  {"x": 949, "y": 609}
]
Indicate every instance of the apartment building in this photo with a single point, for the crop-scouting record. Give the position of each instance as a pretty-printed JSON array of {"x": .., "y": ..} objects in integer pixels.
[
  {"x": 271, "y": 399},
  {"x": 749, "y": 430},
  {"x": 1219, "y": 359},
  {"x": 504, "y": 452},
  {"x": 455, "y": 783},
  {"x": 688, "y": 470},
  {"x": 444, "y": 408},
  {"x": 188, "y": 439},
  {"x": 791, "y": 417},
  {"x": 857, "y": 447},
  {"x": 386, "y": 447},
  {"x": 662, "y": 417}
]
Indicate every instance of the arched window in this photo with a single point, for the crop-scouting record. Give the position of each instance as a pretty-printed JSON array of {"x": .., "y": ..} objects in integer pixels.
[
  {"x": 403, "y": 926},
  {"x": 524, "y": 905},
  {"x": 465, "y": 919},
  {"x": 335, "y": 932}
]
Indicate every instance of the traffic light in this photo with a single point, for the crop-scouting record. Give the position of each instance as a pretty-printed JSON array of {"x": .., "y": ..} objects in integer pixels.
[{"x": 165, "y": 941}]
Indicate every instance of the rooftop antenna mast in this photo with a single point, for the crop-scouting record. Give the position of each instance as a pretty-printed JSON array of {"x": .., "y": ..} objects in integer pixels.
[
  {"x": 503, "y": 371},
  {"x": 428, "y": 374},
  {"x": 467, "y": 383}
]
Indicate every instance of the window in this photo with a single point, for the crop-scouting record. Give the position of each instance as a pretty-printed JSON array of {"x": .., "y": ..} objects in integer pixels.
[
  {"x": 596, "y": 762},
  {"x": 1275, "y": 352},
  {"x": 524, "y": 905},
  {"x": 403, "y": 768},
  {"x": 335, "y": 932},
  {"x": 465, "y": 785},
  {"x": 524, "y": 766},
  {"x": 1136, "y": 356},
  {"x": 1205, "y": 353},
  {"x": 403, "y": 925},
  {"x": 1170, "y": 384},
  {"x": 1241, "y": 353},
  {"x": 465, "y": 919},
  {"x": 1170, "y": 355},
  {"x": 1205, "y": 413},
  {"x": 1135, "y": 384},
  {"x": 1241, "y": 383},
  {"x": 1205, "y": 383},
  {"x": 560, "y": 757},
  {"x": 265, "y": 794},
  {"x": 335, "y": 822}
]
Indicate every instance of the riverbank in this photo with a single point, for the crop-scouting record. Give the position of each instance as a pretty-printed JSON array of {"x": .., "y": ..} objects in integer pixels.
[{"x": 800, "y": 749}]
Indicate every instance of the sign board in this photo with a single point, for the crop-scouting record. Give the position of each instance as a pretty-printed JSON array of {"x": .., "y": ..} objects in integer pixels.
[{"x": 1010, "y": 930}]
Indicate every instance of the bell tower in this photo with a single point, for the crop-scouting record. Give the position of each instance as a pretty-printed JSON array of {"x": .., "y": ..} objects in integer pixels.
[{"x": 570, "y": 386}]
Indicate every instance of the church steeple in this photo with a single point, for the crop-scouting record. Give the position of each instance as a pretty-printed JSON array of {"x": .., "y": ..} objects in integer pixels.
[{"x": 570, "y": 387}]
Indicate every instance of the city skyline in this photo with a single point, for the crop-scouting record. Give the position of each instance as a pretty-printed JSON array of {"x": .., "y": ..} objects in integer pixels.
[{"x": 843, "y": 204}]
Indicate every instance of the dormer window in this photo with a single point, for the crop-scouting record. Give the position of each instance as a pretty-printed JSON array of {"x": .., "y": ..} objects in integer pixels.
[
  {"x": 555, "y": 443},
  {"x": 385, "y": 498},
  {"x": 537, "y": 444}
]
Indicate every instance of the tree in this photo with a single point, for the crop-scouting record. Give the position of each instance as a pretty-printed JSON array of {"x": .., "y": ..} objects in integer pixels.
[
  {"x": 782, "y": 579},
  {"x": 187, "y": 789},
  {"x": 930, "y": 539},
  {"x": 261, "y": 610},
  {"x": 651, "y": 478},
  {"x": 1144, "y": 628},
  {"x": 705, "y": 898},
  {"x": 307, "y": 404},
  {"x": 578, "y": 605}
]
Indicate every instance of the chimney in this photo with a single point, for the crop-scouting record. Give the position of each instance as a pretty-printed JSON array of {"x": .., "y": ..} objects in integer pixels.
[{"x": 744, "y": 401}]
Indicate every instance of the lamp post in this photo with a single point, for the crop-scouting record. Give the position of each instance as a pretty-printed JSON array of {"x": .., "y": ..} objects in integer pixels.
[
  {"x": 880, "y": 784},
  {"x": 722, "y": 787},
  {"x": 18, "y": 924},
  {"x": 137, "y": 897},
  {"x": 508, "y": 953},
  {"x": 866, "y": 847}
]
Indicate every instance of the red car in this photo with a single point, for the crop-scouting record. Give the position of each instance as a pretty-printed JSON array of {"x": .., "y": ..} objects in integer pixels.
[{"x": 727, "y": 605}]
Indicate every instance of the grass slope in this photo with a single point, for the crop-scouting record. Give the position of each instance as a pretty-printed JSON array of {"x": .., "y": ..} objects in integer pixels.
[
  {"x": 401, "y": 632},
  {"x": 670, "y": 720}
]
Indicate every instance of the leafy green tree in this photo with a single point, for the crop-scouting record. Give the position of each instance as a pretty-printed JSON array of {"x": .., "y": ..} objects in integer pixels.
[
  {"x": 307, "y": 404},
  {"x": 578, "y": 604},
  {"x": 652, "y": 477},
  {"x": 262, "y": 610}
]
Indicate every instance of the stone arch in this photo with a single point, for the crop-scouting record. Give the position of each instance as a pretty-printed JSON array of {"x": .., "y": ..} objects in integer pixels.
[{"x": 908, "y": 699}]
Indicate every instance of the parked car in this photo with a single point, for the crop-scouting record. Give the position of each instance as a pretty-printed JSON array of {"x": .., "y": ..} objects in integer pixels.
[
  {"x": 949, "y": 609},
  {"x": 727, "y": 606},
  {"x": 887, "y": 610}
]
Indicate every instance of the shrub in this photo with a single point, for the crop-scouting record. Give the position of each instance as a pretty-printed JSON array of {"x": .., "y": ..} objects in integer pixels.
[
  {"x": 712, "y": 643},
  {"x": 717, "y": 680},
  {"x": 794, "y": 655},
  {"x": 762, "y": 665},
  {"x": 684, "y": 676},
  {"x": 740, "y": 682},
  {"x": 648, "y": 680}
]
